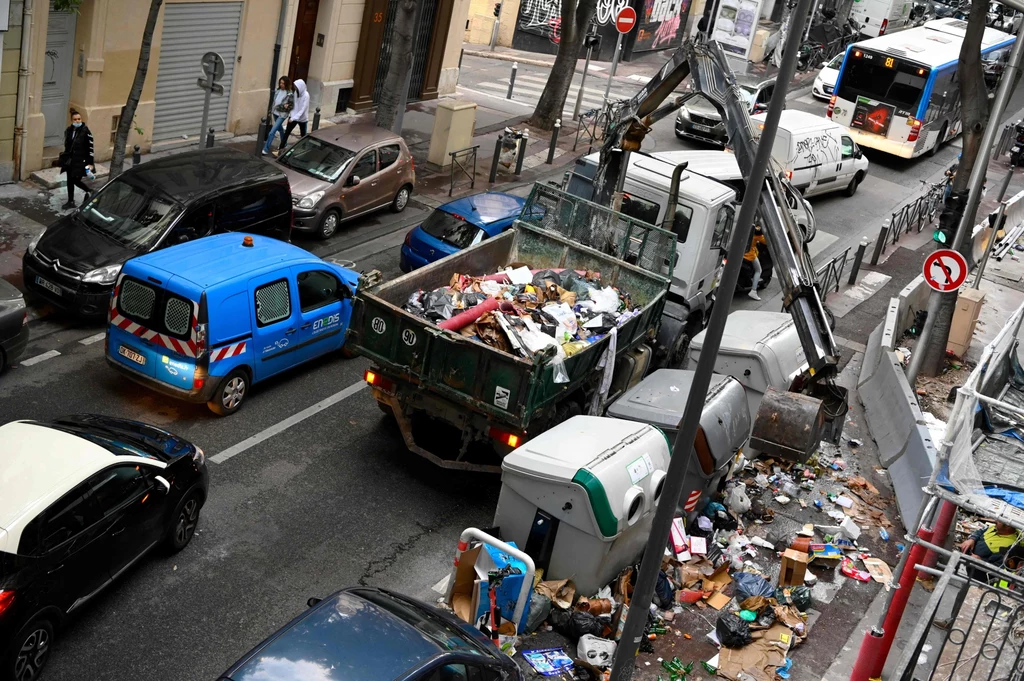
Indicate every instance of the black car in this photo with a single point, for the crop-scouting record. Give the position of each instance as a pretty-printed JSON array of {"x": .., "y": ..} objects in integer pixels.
[
  {"x": 366, "y": 634},
  {"x": 13, "y": 324},
  {"x": 75, "y": 262},
  {"x": 84, "y": 498}
]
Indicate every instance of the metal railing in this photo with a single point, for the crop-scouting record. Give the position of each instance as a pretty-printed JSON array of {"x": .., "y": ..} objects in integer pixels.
[
  {"x": 973, "y": 623},
  {"x": 591, "y": 126},
  {"x": 829, "y": 275},
  {"x": 914, "y": 215},
  {"x": 462, "y": 159}
]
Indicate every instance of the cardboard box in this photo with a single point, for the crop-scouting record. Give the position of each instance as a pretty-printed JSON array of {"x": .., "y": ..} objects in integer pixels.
[
  {"x": 793, "y": 569},
  {"x": 470, "y": 599},
  {"x": 965, "y": 318}
]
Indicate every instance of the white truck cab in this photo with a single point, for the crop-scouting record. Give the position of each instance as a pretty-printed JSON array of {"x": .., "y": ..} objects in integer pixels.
[{"x": 817, "y": 155}]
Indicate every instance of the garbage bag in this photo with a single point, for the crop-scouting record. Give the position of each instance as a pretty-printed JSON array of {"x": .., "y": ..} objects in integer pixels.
[
  {"x": 559, "y": 619},
  {"x": 439, "y": 305},
  {"x": 664, "y": 595},
  {"x": 737, "y": 500},
  {"x": 605, "y": 299},
  {"x": 582, "y": 623},
  {"x": 415, "y": 303},
  {"x": 540, "y": 608},
  {"x": 542, "y": 277},
  {"x": 575, "y": 283},
  {"x": 749, "y": 584},
  {"x": 732, "y": 631},
  {"x": 799, "y": 596},
  {"x": 596, "y": 650}
]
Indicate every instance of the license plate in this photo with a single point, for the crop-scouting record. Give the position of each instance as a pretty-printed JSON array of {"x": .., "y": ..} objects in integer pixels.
[
  {"x": 48, "y": 286},
  {"x": 701, "y": 128},
  {"x": 132, "y": 355}
]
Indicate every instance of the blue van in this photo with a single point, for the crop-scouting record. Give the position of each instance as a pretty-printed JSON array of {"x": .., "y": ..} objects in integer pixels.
[{"x": 205, "y": 320}]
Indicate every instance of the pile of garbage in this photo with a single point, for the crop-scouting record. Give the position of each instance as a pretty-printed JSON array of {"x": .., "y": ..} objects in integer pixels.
[{"x": 523, "y": 312}]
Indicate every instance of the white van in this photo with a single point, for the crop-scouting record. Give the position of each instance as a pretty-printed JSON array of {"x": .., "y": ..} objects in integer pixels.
[
  {"x": 879, "y": 17},
  {"x": 818, "y": 156}
]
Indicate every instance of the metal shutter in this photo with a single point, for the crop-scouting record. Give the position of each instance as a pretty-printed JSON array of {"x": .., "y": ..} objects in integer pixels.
[{"x": 191, "y": 29}]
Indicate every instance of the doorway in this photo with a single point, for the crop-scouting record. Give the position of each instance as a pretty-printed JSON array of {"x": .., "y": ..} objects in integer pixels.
[
  {"x": 302, "y": 40},
  {"x": 57, "y": 64}
]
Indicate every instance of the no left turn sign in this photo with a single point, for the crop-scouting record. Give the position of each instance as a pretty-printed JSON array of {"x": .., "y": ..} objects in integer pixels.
[{"x": 945, "y": 270}]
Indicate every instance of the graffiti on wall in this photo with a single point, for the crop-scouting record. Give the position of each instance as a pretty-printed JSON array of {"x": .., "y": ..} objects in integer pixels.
[
  {"x": 544, "y": 17},
  {"x": 661, "y": 24}
]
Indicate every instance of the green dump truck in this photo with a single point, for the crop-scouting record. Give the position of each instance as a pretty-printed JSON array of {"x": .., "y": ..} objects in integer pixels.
[{"x": 464, "y": 404}]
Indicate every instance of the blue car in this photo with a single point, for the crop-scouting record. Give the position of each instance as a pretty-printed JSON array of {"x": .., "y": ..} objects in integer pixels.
[
  {"x": 204, "y": 320},
  {"x": 457, "y": 225}
]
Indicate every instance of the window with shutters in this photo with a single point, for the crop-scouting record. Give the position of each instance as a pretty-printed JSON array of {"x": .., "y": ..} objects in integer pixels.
[{"x": 273, "y": 303}]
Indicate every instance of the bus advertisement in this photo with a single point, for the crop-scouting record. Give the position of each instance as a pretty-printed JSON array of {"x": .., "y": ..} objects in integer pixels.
[{"x": 900, "y": 94}]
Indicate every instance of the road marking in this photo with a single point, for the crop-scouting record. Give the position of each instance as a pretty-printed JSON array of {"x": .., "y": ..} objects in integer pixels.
[
  {"x": 442, "y": 585},
  {"x": 49, "y": 354},
  {"x": 487, "y": 94},
  {"x": 284, "y": 425},
  {"x": 93, "y": 339}
]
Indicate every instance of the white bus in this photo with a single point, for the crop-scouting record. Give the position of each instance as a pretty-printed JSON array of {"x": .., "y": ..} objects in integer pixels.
[{"x": 900, "y": 93}]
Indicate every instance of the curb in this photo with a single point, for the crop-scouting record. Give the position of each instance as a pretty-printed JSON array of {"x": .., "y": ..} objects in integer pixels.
[{"x": 500, "y": 56}]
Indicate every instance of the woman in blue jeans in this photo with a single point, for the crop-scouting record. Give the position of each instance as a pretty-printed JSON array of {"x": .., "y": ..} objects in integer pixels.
[{"x": 284, "y": 99}]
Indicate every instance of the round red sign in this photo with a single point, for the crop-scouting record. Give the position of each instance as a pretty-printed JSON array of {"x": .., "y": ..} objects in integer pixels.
[
  {"x": 945, "y": 270},
  {"x": 625, "y": 20}
]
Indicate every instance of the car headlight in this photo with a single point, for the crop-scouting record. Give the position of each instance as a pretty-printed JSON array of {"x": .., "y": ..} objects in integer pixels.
[
  {"x": 310, "y": 200},
  {"x": 103, "y": 275},
  {"x": 199, "y": 456},
  {"x": 35, "y": 242}
]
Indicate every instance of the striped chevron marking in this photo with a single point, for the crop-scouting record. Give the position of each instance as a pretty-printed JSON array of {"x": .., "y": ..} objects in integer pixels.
[{"x": 232, "y": 350}]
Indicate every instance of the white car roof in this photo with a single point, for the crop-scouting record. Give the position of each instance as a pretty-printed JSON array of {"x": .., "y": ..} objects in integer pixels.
[
  {"x": 800, "y": 121},
  {"x": 38, "y": 465},
  {"x": 657, "y": 172}
]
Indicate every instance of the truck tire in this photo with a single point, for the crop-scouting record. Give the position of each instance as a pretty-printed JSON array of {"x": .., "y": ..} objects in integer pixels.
[
  {"x": 938, "y": 142},
  {"x": 678, "y": 351}
]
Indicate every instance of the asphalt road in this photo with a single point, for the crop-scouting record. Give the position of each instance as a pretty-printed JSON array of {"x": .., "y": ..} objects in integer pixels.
[{"x": 331, "y": 501}]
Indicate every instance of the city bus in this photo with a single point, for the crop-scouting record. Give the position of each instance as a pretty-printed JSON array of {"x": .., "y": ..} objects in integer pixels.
[{"x": 900, "y": 93}]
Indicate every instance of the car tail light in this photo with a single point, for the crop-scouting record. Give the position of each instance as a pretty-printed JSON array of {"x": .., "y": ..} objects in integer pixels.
[
  {"x": 24, "y": 318},
  {"x": 831, "y": 105},
  {"x": 198, "y": 383},
  {"x": 378, "y": 381},
  {"x": 412, "y": 164},
  {"x": 915, "y": 129},
  {"x": 881, "y": 29},
  {"x": 6, "y": 599},
  {"x": 510, "y": 439},
  {"x": 408, "y": 238},
  {"x": 201, "y": 335},
  {"x": 789, "y": 174}
]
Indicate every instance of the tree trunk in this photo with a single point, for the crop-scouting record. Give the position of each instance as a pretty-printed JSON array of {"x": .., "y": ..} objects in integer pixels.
[
  {"x": 974, "y": 113},
  {"x": 399, "y": 65},
  {"x": 576, "y": 16},
  {"x": 125, "y": 123}
]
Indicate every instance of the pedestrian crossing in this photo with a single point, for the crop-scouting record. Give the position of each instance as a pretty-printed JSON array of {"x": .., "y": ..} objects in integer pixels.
[{"x": 528, "y": 88}]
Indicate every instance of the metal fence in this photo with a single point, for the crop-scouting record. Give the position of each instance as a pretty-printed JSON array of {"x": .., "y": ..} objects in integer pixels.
[
  {"x": 914, "y": 215},
  {"x": 971, "y": 628},
  {"x": 463, "y": 164},
  {"x": 829, "y": 275},
  {"x": 592, "y": 125}
]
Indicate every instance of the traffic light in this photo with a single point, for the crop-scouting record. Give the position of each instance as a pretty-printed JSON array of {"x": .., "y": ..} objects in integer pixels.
[
  {"x": 497, "y": 9},
  {"x": 944, "y": 235}
]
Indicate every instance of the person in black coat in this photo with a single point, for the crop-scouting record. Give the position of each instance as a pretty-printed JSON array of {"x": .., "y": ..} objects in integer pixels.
[{"x": 77, "y": 157}]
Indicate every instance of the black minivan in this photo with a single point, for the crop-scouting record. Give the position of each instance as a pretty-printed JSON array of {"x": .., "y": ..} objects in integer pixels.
[{"x": 75, "y": 261}]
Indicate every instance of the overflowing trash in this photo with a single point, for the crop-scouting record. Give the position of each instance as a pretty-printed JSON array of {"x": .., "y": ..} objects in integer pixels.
[
  {"x": 524, "y": 312},
  {"x": 723, "y": 581}
]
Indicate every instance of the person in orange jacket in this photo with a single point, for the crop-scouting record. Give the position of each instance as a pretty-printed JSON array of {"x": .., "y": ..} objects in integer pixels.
[{"x": 751, "y": 257}]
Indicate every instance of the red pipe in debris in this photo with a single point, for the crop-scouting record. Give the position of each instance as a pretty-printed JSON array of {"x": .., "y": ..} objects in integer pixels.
[
  {"x": 464, "y": 319},
  {"x": 939, "y": 531},
  {"x": 871, "y": 658}
]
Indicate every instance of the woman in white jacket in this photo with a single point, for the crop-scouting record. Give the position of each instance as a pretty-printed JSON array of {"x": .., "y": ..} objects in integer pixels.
[{"x": 299, "y": 114}]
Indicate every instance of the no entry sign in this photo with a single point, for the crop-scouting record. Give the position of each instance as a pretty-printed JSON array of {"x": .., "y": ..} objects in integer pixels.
[
  {"x": 625, "y": 20},
  {"x": 945, "y": 270}
]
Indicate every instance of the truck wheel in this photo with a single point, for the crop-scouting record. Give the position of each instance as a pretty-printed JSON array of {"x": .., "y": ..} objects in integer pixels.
[
  {"x": 230, "y": 394},
  {"x": 677, "y": 353},
  {"x": 386, "y": 409},
  {"x": 938, "y": 142}
]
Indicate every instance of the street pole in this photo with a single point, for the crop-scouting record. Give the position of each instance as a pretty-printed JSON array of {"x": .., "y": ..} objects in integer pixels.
[
  {"x": 403, "y": 100},
  {"x": 973, "y": 198},
  {"x": 583, "y": 81},
  {"x": 810, "y": 21},
  {"x": 996, "y": 226},
  {"x": 679, "y": 465},
  {"x": 615, "y": 63},
  {"x": 206, "y": 112}
]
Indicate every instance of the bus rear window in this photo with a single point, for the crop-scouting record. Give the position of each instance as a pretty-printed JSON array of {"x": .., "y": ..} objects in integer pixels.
[{"x": 885, "y": 79}]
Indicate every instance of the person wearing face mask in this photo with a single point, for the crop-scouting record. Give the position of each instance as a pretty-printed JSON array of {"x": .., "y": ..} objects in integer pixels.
[
  {"x": 77, "y": 157},
  {"x": 299, "y": 114}
]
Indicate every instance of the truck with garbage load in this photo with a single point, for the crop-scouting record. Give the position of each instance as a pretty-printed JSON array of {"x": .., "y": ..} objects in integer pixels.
[{"x": 476, "y": 352}]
